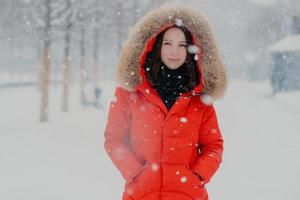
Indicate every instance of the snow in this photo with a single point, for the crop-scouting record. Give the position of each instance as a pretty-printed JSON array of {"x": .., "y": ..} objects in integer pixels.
[
  {"x": 289, "y": 43},
  {"x": 183, "y": 179},
  {"x": 193, "y": 49},
  {"x": 183, "y": 120},
  {"x": 65, "y": 158},
  {"x": 206, "y": 99},
  {"x": 154, "y": 167},
  {"x": 178, "y": 22},
  {"x": 196, "y": 57}
]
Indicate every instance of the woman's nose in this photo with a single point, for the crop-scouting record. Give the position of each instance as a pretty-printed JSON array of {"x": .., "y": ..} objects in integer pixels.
[{"x": 174, "y": 51}]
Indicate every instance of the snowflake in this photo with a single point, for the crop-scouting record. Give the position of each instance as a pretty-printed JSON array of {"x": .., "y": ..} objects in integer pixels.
[
  {"x": 193, "y": 49},
  {"x": 183, "y": 119},
  {"x": 154, "y": 167},
  {"x": 213, "y": 130},
  {"x": 206, "y": 99},
  {"x": 178, "y": 22},
  {"x": 196, "y": 57},
  {"x": 183, "y": 179}
]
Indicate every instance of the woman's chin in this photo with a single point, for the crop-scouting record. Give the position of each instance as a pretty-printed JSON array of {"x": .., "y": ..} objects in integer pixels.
[{"x": 173, "y": 66}]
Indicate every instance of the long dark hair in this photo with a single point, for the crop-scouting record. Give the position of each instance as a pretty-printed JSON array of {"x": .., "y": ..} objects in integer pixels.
[{"x": 153, "y": 61}]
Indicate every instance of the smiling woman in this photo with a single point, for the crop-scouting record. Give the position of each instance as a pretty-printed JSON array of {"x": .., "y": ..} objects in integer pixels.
[
  {"x": 174, "y": 48},
  {"x": 162, "y": 137}
]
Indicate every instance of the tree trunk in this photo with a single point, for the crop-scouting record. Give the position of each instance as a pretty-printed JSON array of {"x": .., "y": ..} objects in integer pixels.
[
  {"x": 45, "y": 69},
  {"x": 65, "y": 100},
  {"x": 82, "y": 67},
  {"x": 44, "y": 74}
]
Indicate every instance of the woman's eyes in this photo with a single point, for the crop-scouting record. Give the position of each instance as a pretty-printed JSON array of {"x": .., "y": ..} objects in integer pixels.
[{"x": 181, "y": 45}]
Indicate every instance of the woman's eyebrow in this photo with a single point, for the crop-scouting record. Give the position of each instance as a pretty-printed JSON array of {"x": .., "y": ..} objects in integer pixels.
[{"x": 183, "y": 41}]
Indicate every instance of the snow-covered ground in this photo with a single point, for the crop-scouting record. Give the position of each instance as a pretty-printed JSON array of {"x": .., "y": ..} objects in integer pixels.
[{"x": 64, "y": 159}]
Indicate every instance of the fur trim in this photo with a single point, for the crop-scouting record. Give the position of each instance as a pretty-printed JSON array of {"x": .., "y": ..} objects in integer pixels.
[{"x": 213, "y": 69}]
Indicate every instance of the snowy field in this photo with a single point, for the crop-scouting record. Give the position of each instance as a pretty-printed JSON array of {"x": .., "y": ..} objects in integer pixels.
[{"x": 64, "y": 159}]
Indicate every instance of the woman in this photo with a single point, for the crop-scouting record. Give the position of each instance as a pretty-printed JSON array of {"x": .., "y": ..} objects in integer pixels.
[{"x": 161, "y": 134}]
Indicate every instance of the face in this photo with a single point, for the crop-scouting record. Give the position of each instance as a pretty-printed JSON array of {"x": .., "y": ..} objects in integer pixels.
[{"x": 174, "y": 48}]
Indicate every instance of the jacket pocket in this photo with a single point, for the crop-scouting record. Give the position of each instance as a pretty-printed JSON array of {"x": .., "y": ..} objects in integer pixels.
[
  {"x": 179, "y": 178},
  {"x": 197, "y": 178},
  {"x": 139, "y": 172},
  {"x": 144, "y": 183}
]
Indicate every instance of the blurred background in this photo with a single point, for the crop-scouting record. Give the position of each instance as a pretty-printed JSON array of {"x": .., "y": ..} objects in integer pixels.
[{"x": 57, "y": 65}]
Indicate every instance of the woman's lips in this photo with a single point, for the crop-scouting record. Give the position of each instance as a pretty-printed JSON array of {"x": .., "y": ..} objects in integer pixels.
[{"x": 173, "y": 59}]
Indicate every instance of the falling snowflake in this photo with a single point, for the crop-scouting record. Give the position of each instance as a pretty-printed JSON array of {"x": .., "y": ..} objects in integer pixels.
[
  {"x": 213, "y": 130},
  {"x": 178, "y": 22},
  {"x": 147, "y": 91},
  {"x": 183, "y": 179},
  {"x": 177, "y": 172},
  {"x": 183, "y": 119},
  {"x": 196, "y": 57},
  {"x": 206, "y": 99},
  {"x": 172, "y": 148},
  {"x": 211, "y": 155},
  {"x": 132, "y": 73},
  {"x": 154, "y": 167},
  {"x": 193, "y": 49}
]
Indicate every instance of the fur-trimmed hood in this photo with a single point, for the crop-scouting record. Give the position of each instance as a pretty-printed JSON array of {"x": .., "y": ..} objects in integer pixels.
[{"x": 212, "y": 68}]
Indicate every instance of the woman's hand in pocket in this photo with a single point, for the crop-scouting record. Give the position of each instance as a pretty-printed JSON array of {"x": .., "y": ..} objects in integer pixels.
[{"x": 138, "y": 173}]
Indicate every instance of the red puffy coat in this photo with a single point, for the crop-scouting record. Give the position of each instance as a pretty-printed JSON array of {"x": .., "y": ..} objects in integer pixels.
[{"x": 159, "y": 152}]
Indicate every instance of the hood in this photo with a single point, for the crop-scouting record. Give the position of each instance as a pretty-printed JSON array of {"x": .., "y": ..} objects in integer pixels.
[{"x": 131, "y": 74}]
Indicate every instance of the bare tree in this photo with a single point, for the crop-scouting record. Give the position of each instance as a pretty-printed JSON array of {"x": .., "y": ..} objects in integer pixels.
[
  {"x": 48, "y": 13},
  {"x": 66, "y": 65}
]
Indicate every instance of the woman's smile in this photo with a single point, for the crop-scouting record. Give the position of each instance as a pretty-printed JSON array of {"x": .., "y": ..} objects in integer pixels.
[{"x": 174, "y": 59}]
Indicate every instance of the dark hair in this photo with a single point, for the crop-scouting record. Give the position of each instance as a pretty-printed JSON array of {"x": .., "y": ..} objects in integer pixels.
[{"x": 153, "y": 60}]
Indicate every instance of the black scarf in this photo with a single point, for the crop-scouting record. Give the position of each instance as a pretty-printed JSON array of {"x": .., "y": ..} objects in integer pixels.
[{"x": 172, "y": 84}]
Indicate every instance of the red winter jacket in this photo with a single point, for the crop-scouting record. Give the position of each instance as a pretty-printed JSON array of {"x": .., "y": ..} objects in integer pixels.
[{"x": 160, "y": 153}]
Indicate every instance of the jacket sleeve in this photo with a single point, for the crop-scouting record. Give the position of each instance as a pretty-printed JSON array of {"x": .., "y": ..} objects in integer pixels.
[
  {"x": 211, "y": 146},
  {"x": 116, "y": 137}
]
